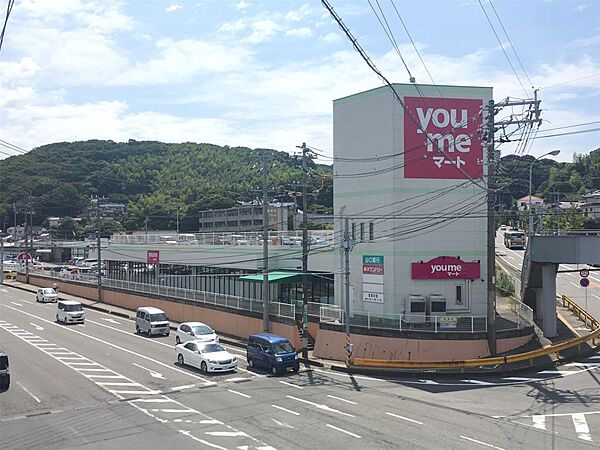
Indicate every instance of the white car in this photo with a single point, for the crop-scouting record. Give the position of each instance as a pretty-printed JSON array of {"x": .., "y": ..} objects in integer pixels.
[
  {"x": 195, "y": 331},
  {"x": 206, "y": 356},
  {"x": 46, "y": 295},
  {"x": 69, "y": 311}
]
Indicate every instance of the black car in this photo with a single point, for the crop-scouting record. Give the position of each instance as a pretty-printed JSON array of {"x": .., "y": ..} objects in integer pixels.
[{"x": 4, "y": 371}]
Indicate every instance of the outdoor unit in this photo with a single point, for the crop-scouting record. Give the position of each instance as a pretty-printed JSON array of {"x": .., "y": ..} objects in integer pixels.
[
  {"x": 415, "y": 309},
  {"x": 436, "y": 305}
]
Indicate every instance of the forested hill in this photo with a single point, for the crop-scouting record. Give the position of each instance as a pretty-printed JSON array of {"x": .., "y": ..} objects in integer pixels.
[{"x": 154, "y": 179}]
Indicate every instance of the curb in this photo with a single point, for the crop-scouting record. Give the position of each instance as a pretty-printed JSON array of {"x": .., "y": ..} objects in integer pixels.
[{"x": 311, "y": 362}]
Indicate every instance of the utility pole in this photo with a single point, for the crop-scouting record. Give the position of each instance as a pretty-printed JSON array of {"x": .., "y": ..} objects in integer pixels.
[
  {"x": 177, "y": 222},
  {"x": 491, "y": 229},
  {"x": 265, "y": 211},
  {"x": 99, "y": 243},
  {"x": 2, "y": 257},
  {"x": 304, "y": 250},
  {"x": 347, "y": 246}
]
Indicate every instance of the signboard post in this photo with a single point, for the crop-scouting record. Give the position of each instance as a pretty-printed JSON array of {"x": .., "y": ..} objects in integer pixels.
[
  {"x": 584, "y": 282},
  {"x": 373, "y": 271}
]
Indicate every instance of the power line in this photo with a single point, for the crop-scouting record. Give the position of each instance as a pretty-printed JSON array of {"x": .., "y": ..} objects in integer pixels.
[{"x": 9, "y": 7}]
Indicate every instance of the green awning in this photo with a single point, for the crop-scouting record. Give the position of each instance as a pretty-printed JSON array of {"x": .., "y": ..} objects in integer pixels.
[{"x": 276, "y": 277}]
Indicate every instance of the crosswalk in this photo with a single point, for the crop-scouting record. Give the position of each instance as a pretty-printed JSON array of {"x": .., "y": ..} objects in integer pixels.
[
  {"x": 578, "y": 420},
  {"x": 189, "y": 422}
]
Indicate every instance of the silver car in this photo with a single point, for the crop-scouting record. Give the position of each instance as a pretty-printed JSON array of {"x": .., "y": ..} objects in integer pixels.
[{"x": 46, "y": 295}]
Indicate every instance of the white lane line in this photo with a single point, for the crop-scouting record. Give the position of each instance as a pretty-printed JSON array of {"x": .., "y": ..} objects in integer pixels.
[
  {"x": 226, "y": 433},
  {"x": 15, "y": 303},
  {"x": 110, "y": 383},
  {"x": 37, "y": 327},
  {"x": 241, "y": 394},
  {"x": 66, "y": 358},
  {"x": 481, "y": 443},
  {"x": 29, "y": 392},
  {"x": 342, "y": 399},
  {"x": 290, "y": 384},
  {"x": 153, "y": 400},
  {"x": 167, "y": 410},
  {"x": 134, "y": 392},
  {"x": 343, "y": 431},
  {"x": 85, "y": 369},
  {"x": 404, "y": 418},
  {"x": 185, "y": 386},
  {"x": 153, "y": 374},
  {"x": 103, "y": 376},
  {"x": 320, "y": 406},
  {"x": 286, "y": 410},
  {"x": 3, "y": 290},
  {"x": 597, "y": 296},
  {"x": 522, "y": 379},
  {"x": 75, "y": 363},
  {"x": 482, "y": 383},
  {"x": 202, "y": 441},
  {"x": 581, "y": 427},
  {"x": 558, "y": 372},
  {"x": 89, "y": 336},
  {"x": 539, "y": 422}
]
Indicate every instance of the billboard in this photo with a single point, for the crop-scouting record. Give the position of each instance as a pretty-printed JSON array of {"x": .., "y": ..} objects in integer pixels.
[
  {"x": 441, "y": 138},
  {"x": 445, "y": 268},
  {"x": 152, "y": 256}
]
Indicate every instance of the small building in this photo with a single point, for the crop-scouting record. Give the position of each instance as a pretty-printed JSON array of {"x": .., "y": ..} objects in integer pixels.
[
  {"x": 523, "y": 202},
  {"x": 243, "y": 218},
  {"x": 591, "y": 205}
]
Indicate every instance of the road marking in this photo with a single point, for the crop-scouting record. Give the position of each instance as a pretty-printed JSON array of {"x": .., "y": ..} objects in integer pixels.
[
  {"x": 226, "y": 433},
  {"x": 429, "y": 382},
  {"x": 343, "y": 431},
  {"x": 290, "y": 384},
  {"x": 581, "y": 427},
  {"x": 110, "y": 383},
  {"x": 239, "y": 393},
  {"x": 152, "y": 400},
  {"x": 574, "y": 284},
  {"x": 286, "y": 410},
  {"x": 539, "y": 422},
  {"x": 110, "y": 320},
  {"x": 152, "y": 372},
  {"x": 85, "y": 369},
  {"x": 112, "y": 391},
  {"x": 481, "y": 443},
  {"x": 185, "y": 386},
  {"x": 320, "y": 406},
  {"x": 557, "y": 372},
  {"x": 29, "y": 392},
  {"x": 282, "y": 424},
  {"x": 404, "y": 418},
  {"x": 202, "y": 441},
  {"x": 37, "y": 327},
  {"x": 342, "y": 399},
  {"x": 482, "y": 383},
  {"x": 15, "y": 303},
  {"x": 597, "y": 296},
  {"x": 102, "y": 376},
  {"x": 188, "y": 411},
  {"x": 3, "y": 290},
  {"x": 522, "y": 379}
]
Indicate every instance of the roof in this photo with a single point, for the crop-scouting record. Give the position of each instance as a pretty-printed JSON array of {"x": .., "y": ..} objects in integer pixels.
[
  {"x": 533, "y": 199},
  {"x": 269, "y": 337},
  {"x": 70, "y": 302},
  {"x": 194, "y": 324},
  {"x": 151, "y": 309},
  {"x": 276, "y": 277}
]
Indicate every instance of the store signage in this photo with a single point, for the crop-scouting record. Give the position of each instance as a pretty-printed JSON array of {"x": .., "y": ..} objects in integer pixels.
[
  {"x": 373, "y": 271},
  {"x": 445, "y": 268},
  {"x": 442, "y": 138},
  {"x": 152, "y": 256},
  {"x": 447, "y": 322}
]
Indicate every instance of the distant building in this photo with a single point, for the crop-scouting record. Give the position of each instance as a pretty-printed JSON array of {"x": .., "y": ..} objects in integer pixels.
[
  {"x": 523, "y": 202},
  {"x": 109, "y": 210},
  {"x": 243, "y": 218},
  {"x": 591, "y": 205}
]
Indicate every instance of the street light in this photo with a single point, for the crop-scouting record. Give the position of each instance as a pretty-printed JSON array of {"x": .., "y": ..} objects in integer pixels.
[{"x": 552, "y": 153}]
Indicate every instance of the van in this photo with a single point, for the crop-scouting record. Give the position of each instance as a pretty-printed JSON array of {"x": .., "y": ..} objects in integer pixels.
[
  {"x": 4, "y": 371},
  {"x": 272, "y": 352},
  {"x": 151, "y": 321},
  {"x": 69, "y": 311}
]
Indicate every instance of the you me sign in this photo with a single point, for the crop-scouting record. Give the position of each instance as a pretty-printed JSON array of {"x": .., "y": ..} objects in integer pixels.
[
  {"x": 445, "y": 268},
  {"x": 441, "y": 138}
]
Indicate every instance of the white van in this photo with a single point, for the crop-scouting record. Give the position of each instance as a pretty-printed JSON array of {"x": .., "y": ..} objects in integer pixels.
[
  {"x": 69, "y": 311},
  {"x": 151, "y": 321}
]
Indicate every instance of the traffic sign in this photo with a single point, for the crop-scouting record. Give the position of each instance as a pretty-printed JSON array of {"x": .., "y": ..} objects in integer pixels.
[
  {"x": 584, "y": 282},
  {"x": 584, "y": 273}
]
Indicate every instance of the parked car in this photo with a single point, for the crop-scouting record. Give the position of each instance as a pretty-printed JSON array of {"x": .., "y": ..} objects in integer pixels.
[
  {"x": 272, "y": 352},
  {"x": 69, "y": 311},
  {"x": 206, "y": 356},
  {"x": 4, "y": 371},
  {"x": 46, "y": 295},
  {"x": 151, "y": 321},
  {"x": 195, "y": 331}
]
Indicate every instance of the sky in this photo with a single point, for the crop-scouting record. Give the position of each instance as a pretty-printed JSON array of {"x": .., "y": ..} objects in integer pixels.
[{"x": 264, "y": 73}]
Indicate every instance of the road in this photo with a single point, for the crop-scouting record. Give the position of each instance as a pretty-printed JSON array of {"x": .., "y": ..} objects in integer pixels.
[
  {"x": 567, "y": 283},
  {"x": 99, "y": 385}
]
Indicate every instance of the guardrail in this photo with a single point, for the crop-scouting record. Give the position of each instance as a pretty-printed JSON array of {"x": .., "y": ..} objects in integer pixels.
[
  {"x": 494, "y": 361},
  {"x": 580, "y": 312}
]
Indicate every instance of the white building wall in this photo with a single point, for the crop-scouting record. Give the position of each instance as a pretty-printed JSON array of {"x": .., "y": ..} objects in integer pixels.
[{"x": 369, "y": 125}]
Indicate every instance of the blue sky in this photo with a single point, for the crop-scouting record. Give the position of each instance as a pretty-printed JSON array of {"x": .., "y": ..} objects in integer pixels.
[{"x": 264, "y": 73}]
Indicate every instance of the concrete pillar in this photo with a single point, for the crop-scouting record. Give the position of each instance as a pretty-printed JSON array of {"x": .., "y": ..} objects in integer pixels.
[
  {"x": 549, "y": 299},
  {"x": 538, "y": 305}
]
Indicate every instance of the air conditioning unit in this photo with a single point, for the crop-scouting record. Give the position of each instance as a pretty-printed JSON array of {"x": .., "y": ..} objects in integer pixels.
[
  {"x": 436, "y": 305},
  {"x": 415, "y": 309}
]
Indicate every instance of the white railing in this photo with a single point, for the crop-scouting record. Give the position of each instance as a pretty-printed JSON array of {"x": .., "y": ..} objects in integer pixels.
[{"x": 524, "y": 313}]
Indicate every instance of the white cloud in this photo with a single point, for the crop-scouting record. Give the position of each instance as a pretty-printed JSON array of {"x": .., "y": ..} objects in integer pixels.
[
  {"x": 262, "y": 31},
  {"x": 331, "y": 38},
  {"x": 179, "y": 61},
  {"x": 299, "y": 32},
  {"x": 242, "y": 5},
  {"x": 172, "y": 8},
  {"x": 232, "y": 27},
  {"x": 581, "y": 8}
]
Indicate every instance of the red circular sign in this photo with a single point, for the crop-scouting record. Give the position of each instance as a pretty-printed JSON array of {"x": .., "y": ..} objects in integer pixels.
[{"x": 23, "y": 256}]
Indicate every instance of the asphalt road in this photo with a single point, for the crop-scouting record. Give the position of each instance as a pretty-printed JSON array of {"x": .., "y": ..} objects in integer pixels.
[{"x": 100, "y": 385}]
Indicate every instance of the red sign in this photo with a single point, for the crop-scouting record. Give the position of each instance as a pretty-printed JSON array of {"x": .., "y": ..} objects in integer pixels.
[
  {"x": 23, "y": 256},
  {"x": 152, "y": 256},
  {"x": 373, "y": 269},
  {"x": 445, "y": 268},
  {"x": 441, "y": 138}
]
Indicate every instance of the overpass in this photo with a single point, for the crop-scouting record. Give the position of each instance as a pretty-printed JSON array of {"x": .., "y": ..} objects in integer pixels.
[{"x": 540, "y": 265}]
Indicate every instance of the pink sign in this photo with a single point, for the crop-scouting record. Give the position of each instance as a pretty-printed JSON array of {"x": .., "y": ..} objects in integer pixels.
[
  {"x": 152, "y": 256},
  {"x": 445, "y": 268},
  {"x": 442, "y": 139},
  {"x": 373, "y": 269}
]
